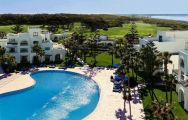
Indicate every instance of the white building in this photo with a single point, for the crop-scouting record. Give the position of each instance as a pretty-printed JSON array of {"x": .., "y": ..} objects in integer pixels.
[
  {"x": 20, "y": 46},
  {"x": 170, "y": 41},
  {"x": 57, "y": 37},
  {"x": 182, "y": 86},
  {"x": 174, "y": 42}
]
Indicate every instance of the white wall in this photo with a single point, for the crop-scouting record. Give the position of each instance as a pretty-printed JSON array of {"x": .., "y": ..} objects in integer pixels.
[
  {"x": 171, "y": 46},
  {"x": 172, "y": 35},
  {"x": 30, "y": 39},
  {"x": 3, "y": 42}
]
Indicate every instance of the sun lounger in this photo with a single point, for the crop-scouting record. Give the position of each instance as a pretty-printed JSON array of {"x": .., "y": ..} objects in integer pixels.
[
  {"x": 62, "y": 68},
  {"x": 52, "y": 66},
  {"x": 117, "y": 89}
]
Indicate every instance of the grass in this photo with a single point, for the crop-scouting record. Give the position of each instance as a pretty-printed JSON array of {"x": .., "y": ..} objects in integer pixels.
[
  {"x": 8, "y": 28},
  {"x": 103, "y": 59},
  {"x": 178, "y": 111},
  {"x": 113, "y": 33},
  {"x": 143, "y": 30}
]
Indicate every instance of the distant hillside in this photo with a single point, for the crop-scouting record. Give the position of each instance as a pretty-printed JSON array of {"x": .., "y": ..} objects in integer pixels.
[{"x": 94, "y": 21}]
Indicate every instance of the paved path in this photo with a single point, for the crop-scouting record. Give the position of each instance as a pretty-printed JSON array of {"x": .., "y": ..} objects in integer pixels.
[
  {"x": 15, "y": 82},
  {"x": 111, "y": 105}
]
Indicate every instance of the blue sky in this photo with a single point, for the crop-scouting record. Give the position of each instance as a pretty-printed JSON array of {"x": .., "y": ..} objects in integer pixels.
[{"x": 95, "y": 6}]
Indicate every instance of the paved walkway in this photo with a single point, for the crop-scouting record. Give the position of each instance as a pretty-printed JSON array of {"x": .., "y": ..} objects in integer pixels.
[
  {"x": 13, "y": 82},
  {"x": 111, "y": 105}
]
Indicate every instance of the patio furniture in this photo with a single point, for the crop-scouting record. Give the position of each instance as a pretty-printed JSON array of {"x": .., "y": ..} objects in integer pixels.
[{"x": 52, "y": 66}]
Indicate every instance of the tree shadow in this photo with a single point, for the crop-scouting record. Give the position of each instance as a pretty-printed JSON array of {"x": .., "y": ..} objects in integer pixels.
[
  {"x": 136, "y": 96},
  {"x": 120, "y": 114},
  {"x": 5, "y": 75}
]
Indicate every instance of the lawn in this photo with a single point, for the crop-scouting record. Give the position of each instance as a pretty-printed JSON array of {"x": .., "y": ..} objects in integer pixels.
[
  {"x": 178, "y": 111},
  {"x": 143, "y": 30},
  {"x": 8, "y": 28},
  {"x": 103, "y": 59},
  {"x": 113, "y": 33}
]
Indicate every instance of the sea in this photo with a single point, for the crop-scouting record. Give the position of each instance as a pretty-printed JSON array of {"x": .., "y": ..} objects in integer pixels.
[{"x": 178, "y": 17}]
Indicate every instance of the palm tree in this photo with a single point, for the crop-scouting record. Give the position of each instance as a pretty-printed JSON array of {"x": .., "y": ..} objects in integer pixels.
[
  {"x": 9, "y": 63},
  {"x": 111, "y": 51},
  {"x": 165, "y": 57},
  {"x": 172, "y": 82},
  {"x": 39, "y": 51},
  {"x": 93, "y": 47},
  {"x": 122, "y": 71},
  {"x": 76, "y": 46},
  {"x": 162, "y": 110},
  {"x": 2, "y": 52}
]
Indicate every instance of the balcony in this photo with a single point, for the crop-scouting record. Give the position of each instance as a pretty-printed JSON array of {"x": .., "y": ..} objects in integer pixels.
[
  {"x": 23, "y": 44},
  {"x": 23, "y": 50},
  {"x": 12, "y": 43},
  {"x": 12, "y": 51}
]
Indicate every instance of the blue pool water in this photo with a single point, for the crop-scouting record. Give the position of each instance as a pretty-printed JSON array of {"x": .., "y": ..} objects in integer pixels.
[{"x": 57, "y": 95}]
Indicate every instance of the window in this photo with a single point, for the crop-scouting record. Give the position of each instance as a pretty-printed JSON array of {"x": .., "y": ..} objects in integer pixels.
[
  {"x": 47, "y": 48},
  {"x": 160, "y": 38},
  {"x": 12, "y": 40},
  {"x": 182, "y": 63},
  {"x": 47, "y": 58},
  {"x": 24, "y": 43},
  {"x": 35, "y": 34},
  {"x": 182, "y": 75},
  {"x": 35, "y": 42},
  {"x": 57, "y": 57},
  {"x": 23, "y": 50},
  {"x": 12, "y": 50},
  {"x": 24, "y": 59}
]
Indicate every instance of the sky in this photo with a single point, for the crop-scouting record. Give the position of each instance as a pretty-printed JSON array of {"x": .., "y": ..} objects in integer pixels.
[{"x": 95, "y": 6}]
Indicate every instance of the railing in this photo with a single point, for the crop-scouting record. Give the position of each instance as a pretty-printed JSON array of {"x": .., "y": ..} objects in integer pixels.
[
  {"x": 23, "y": 51},
  {"x": 12, "y": 51},
  {"x": 12, "y": 43},
  {"x": 23, "y": 44}
]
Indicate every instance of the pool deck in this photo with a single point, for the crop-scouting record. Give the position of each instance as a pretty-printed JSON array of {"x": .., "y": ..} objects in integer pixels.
[
  {"x": 14, "y": 82},
  {"x": 110, "y": 104}
]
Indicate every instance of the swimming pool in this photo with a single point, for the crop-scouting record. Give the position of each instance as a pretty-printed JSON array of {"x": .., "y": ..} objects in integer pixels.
[{"x": 57, "y": 95}]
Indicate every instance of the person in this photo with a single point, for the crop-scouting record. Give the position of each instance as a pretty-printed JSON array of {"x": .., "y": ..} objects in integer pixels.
[{"x": 111, "y": 78}]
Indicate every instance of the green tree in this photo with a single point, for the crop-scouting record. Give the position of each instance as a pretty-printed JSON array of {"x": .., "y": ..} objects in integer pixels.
[
  {"x": 149, "y": 64},
  {"x": 130, "y": 51},
  {"x": 2, "y": 35},
  {"x": 17, "y": 28},
  {"x": 165, "y": 58},
  {"x": 162, "y": 110},
  {"x": 53, "y": 28},
  {"x": 39, "y": 51},
  {"x": 2, "y": 52},
  {"x": 172, "y": 83},
  {"x": 8, "y": 63},
  {"x": 76, "y": 46},
  {"x": 111, "y": 51},
  {"x": 123, "y": 71}
]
